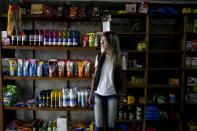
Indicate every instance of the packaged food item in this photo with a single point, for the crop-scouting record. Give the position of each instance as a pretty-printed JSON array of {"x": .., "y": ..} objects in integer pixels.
[
  {"x": 41, "y": 37},
  {"x": 70, "y": 38},
  {"x": 75, "y": 67},
  {"x": 26, "y": 68},
  {"x": 56, "y": 98},
  {"x": 65, "y": 38},
  {"x": 36, "y": 38},
  {"x": 55, "y": 38},
  {"x": 61, "y": 68},
  {"x": 60, "y": 39},
  {"x": 59, "y": 12},
  {"x": 14, "y": 20},
  {"x": 82, "y": 99},
  {"x": 76, "y": 38},
  {"x": 50, "y": 38},
  {"x": 73, "y": 12},
  {"x": 4, "y": 38},
  {"x": 87, "y": 68},
  {"x": 13, "y": 67},
  {"x": 31, "y": 38},
  {"x": 82, "y": 12},
  {"x": 32, "y": 67},
  {"x": 46, "y": 69},
  {"x": 37, "y": 9},
  {"x": 95, "y": 12},
  {"x": 79, "y": 99},
  {"x": 85, "y": 40},
  {"x": 69, "y": 68},
  {"x": 11, "y": 95},
  {"x": 46, "y": 38},
  {"x": 39, "y": 68},
  {"x": 52, "y": 67},
  {"x": 91, "y": 39},
  {"x": 20, "y": 67},
  {"x": 81, "y": 69},
  {"x": 48, "y": 11},
  {"x": 131, "y": 7}
]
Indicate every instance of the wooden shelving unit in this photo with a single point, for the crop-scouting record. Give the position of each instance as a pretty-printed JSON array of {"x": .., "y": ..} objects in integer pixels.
[{"x": 147, "y": 71}]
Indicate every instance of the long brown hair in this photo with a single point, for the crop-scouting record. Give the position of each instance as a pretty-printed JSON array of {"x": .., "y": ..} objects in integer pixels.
[{"x": 113, "y": 48}]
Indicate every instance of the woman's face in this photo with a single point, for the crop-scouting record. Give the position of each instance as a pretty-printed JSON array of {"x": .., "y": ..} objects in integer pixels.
[{"x": 104, "y": 44}]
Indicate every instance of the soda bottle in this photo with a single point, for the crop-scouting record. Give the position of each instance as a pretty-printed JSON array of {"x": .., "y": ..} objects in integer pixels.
[{"x": 41, "y": 37}]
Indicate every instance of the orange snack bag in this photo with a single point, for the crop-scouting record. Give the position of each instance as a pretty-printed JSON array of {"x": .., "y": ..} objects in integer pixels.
[{"x": 81, "y": 69}]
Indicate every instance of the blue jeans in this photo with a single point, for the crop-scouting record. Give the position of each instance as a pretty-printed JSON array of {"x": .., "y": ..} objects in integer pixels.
[{"x": 102, "y": 105}]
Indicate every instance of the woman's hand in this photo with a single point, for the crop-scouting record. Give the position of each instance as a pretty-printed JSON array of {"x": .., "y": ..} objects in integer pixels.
[{"x": 90, "y": 98}]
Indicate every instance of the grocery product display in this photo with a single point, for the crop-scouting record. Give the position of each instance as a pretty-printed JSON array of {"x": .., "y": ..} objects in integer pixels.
[{"x": 158, "y": 50}]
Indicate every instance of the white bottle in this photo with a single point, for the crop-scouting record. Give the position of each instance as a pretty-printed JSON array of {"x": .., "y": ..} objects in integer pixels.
[
  {"x": 72, "y": 98},
  {"x": 124, "y": 63}
]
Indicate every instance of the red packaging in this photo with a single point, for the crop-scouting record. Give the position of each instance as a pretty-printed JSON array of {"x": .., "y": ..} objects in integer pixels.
[
  {"x": 87, "y": 66},
  {"x": 85, "y": 39},
  {"x": 52, "y": 68},
  {"x": 61, "y": 68},
  {"x": 73, "y": 12},
  {"x": 48, "y": 11},
  {"x": 69, "y": 68},
  {"x": 82, "y": 12}
]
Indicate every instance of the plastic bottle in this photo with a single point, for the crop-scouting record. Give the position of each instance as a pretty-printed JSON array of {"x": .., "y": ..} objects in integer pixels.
[
  {"x": 82, "y": 99},
  {"x": 41, "y": 38},
  {"x": 52, "y": 99},
  {"x": 79, "y": 99},
  {"x": 43, "y": 98},
  {"x": 56, "y": 99},
  {"x": 40, "y": 100},
  {"x": 60, "y": 40},
  {"x": 65, "y": 38},
  {"x": 86, "y": 98},
  {"x": 50, "y": 126},
  {"x": 72, "y": 98},
  {"x": 54, "y": 126},
  {"x": 60, "y": 99}
]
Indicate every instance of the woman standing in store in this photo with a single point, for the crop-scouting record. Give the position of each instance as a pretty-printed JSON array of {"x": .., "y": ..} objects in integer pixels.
[{"x": 108, "y": 82}]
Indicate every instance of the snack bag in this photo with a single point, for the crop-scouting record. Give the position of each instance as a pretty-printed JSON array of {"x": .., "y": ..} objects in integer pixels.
[
  {"x": 39, "y": 68},
  {"x": 14, "y": 20},
  {"x": 81, "y": 69},
  {"x": 13, "y": 67},
  {"x": 26, "y": 68},
  {"x": 61, "y": 68},
  {"x": 52, "y": 68},
  {"x": 20, "y": 67},
  {"x": 87, "y": 68},
  {"x": 45, "y": 69},
  {"x": 32, "y": 67},
  {"x": 75, "y": 67},
  {"x": 69, "y": 68},
  {"x": 11, "y": 95}
]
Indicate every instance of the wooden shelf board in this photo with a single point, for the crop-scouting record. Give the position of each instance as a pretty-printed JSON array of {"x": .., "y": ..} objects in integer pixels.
[
  {"x": 165, "y": 51},
  {"x": 163, "y": 69},
  {"x": 48, "y": 48},
  {"x": 136, "y": 69},
  {"x": 131, "y": 33},
  {"x": 166, "y": 33},
  {"x": 42, "y": 78},
  {"x": 61, "y": 19},
  {"x": 130, "y": 86},
  {"x": 122, "y": 121},
  {"x": 49, "y": 109},
  {"x": 161, "y": 86},
  {"x": 133, "y": 51},
  {"x": 191, "y": 68},
  {"x": 163, "y": 104}
]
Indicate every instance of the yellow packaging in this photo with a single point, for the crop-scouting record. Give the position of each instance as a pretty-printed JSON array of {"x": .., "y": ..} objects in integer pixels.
[
  {"x": 194, "y": 11},
  {"x": 13, "y": 67},
  {"x": 37, "y": 9},
  {"x": 91, "y": 39},
  {"x": 92, "y": 126},
  {"x": 186, "y": 10},
  {"x": 131, "y": 100}
]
